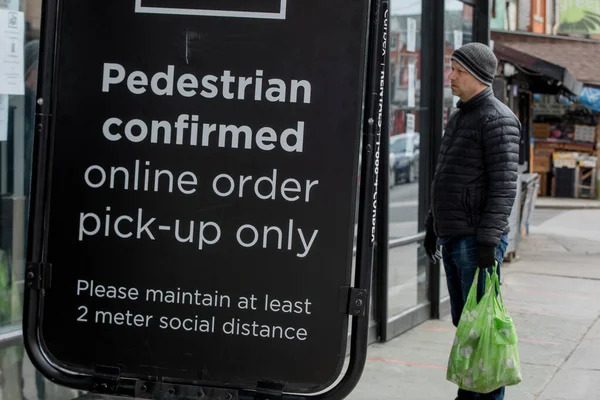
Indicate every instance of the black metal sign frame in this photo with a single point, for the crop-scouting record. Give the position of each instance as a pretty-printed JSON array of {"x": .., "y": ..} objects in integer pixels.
[{"x": 108, "y": 379}]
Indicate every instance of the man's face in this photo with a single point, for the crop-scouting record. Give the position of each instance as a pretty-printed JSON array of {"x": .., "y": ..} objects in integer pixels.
[{"x": 463, "y": 83}]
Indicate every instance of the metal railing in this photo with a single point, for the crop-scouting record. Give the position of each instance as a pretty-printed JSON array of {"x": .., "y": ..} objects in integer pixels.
[
  {"x": 11, "y": 337},
  {"x": 392, "y": 244},
  {"x": 406, "y": 240}
]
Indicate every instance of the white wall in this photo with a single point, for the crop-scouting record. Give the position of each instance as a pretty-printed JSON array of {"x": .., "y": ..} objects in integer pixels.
[{"x": 524, "y": 15}]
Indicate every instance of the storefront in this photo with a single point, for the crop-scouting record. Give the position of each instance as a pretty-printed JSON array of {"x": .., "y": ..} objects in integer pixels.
[
  {"x": 552, "y": 85},
  {"x": 565, "y": 147},
  {"x": 407, "y": 289}
]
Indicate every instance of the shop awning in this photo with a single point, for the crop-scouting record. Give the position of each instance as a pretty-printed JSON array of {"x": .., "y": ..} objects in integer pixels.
[
  {"x": 549, "y": 70},
  {"x": 572, "y": 63}
]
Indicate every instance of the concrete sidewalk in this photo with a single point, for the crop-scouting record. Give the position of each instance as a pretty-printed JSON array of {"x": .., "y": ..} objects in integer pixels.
[{"x": 552, "y": 293}]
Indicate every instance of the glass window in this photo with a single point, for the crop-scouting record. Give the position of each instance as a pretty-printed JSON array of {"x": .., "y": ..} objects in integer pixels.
[
  {"x": 22, "y": 18},
  {"x": 458, "y": 30},
  {"x": 407, "y": 282}
]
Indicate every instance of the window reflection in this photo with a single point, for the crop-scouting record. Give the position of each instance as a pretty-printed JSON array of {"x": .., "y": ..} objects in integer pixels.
[
  {"x": 405, "y": 93},
  {"x": 458, "y": 30},
  {"x": 407, "y": 281}
]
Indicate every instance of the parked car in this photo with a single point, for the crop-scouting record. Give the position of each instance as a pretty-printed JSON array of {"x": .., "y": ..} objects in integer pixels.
[{"x": 405, "y": 150}]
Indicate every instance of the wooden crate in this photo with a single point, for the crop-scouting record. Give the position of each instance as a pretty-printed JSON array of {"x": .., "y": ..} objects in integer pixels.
[
  {"x": 541, "y": 130},
  {"x": 541, "y": 159},
  {"x": 542, "y": 163},
  {"x": 542, "y": 189}
]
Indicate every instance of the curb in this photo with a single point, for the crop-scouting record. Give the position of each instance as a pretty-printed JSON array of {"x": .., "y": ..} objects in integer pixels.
[{"x": 567, "y": 206}]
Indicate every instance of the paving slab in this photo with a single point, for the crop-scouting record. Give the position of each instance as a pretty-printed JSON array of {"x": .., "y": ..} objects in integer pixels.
[{"x": 572, "y": 384}]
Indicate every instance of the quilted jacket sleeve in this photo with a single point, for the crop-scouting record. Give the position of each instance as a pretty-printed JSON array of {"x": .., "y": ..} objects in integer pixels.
[
  {"x": 429, "y": 222},
  {"x": 500, "y": 138}
]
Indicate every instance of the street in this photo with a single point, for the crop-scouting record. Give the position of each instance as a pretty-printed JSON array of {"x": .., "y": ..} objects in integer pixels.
[
  {"x": 403, "y": 210},
  {"x": 404, "y": 202}
]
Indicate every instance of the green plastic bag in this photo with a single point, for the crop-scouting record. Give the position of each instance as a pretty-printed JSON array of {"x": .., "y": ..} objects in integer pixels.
[{"x": 485, "y": 356}]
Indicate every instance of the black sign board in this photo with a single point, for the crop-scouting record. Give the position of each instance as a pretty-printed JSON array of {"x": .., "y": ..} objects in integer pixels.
[
  {"x": 195, "y": 193},
  {"x": 275, "y": 9}
]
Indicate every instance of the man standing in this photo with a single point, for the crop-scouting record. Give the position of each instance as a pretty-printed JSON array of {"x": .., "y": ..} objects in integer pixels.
[{"x": 475, "y": 182}]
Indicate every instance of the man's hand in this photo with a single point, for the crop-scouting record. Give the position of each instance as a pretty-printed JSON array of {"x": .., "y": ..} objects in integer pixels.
[
  {"x": 486, "y": 256},
  {"x": 431, "y": 246}
]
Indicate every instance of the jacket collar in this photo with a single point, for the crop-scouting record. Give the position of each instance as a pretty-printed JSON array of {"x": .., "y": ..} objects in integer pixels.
[{"x": 474, "y": 100}]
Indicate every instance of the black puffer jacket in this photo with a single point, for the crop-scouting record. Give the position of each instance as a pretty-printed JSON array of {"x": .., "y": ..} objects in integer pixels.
[{"x": 476, "y": 177}]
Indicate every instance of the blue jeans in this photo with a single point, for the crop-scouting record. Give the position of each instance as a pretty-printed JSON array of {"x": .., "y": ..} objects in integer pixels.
[{"x": 460, "y": 262}]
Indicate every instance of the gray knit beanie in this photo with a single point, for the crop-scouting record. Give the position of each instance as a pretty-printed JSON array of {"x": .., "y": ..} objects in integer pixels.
[{"x": 479, "y": 60}]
